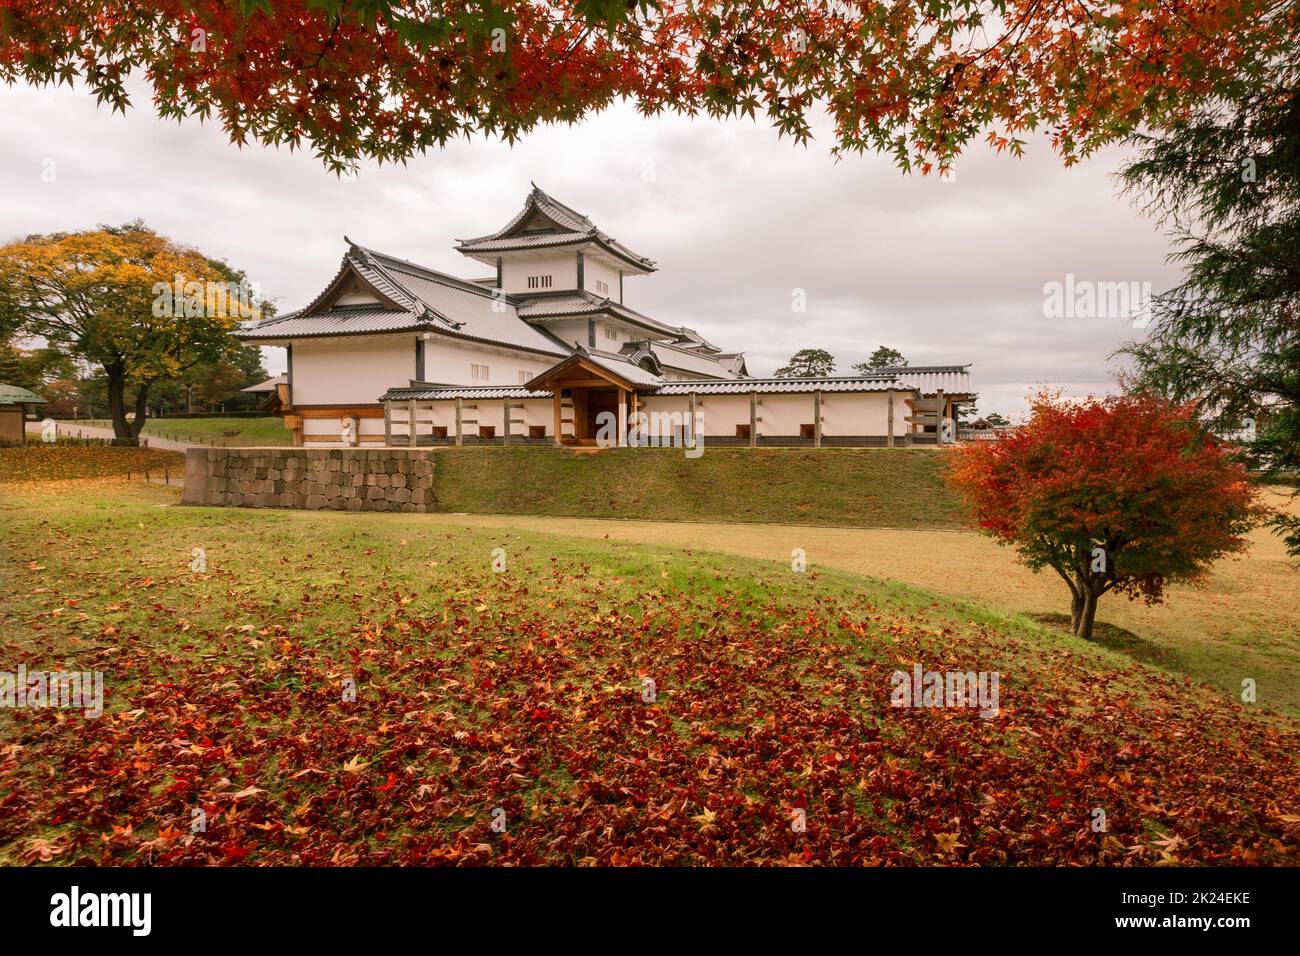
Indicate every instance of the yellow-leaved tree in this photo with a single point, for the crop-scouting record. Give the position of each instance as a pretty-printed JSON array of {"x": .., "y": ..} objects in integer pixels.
[{"x": 127, "y": 301}]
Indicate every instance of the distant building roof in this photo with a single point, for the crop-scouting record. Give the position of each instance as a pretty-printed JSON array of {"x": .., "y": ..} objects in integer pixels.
[
  {"x": 734, "y": 362},
  {"x": 269, "y": 385},
  {"x": 17, "y": 395}
]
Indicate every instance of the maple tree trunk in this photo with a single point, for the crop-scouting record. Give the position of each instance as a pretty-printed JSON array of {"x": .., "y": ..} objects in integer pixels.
[
  {"x": 1078, "y": 585},
  {"x": 1076, "y": 612},
  {"x": 1087, "y": 614}
]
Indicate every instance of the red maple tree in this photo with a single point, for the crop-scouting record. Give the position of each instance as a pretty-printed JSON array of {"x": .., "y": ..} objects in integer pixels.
[
  {"x": 1124, "y": 494},
  {"x": 387, "y": 79}
]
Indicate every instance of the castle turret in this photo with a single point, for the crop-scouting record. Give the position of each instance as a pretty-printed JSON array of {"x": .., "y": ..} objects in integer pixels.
[{"x": 550, "y": 248}]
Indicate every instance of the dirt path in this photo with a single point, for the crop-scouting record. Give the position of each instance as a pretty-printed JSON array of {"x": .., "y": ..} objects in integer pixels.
[
  {"x": 1244, "y": 622},
  {"x": 74, "y": 430}
]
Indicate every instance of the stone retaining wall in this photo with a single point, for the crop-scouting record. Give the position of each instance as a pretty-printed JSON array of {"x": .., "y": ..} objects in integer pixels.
[{"x": 344, "y": 479}]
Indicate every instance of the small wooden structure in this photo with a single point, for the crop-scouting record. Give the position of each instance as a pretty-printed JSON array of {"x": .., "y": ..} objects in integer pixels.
[{"x": 16, "y": 403}]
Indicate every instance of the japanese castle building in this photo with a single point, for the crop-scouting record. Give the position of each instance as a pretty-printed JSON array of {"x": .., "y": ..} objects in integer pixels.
[{"x": 544, "y": 350}]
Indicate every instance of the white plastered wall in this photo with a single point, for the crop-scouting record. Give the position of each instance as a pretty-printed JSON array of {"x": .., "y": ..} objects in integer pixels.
[
  {"x": 561, "y": 267},
  {"x": 350, "y": 370},
  {"x": 570, "y": 331},
  {"x": 859, "y": 413},
  {"x": 781, "y": 415},
  {"x": 593, "y": 270},
  {"x": 449, "y": 363},
  {"x": 356, "y": 370},
  {"x": 475, "y": 412}
]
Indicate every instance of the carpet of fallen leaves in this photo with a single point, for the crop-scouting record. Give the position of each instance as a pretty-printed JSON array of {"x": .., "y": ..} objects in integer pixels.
[
  {"x": 494, "y": 707},
  {"x": 520, "y": 699},
  {"x": 39, "y": 461}
]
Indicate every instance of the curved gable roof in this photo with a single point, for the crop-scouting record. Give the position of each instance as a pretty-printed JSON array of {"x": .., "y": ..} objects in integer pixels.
[
  {"x": 411, "y": 298},
  {"x": 561, "y": 226}
]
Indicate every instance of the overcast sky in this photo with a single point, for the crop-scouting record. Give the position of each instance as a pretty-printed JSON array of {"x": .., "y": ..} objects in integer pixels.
[{"x": 737, "y": 219}]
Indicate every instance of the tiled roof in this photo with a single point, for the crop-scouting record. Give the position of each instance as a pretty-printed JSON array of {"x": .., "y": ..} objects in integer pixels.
[
  {"x": 651, "y": 385},
  {"x": 685, "y": 360},
  {"x": 771, "y": 386},
  {"x": 269, "y": 385},
  {"x": 341, "y": 320},
  {"x": 734, "y": 362},
  {"x": 427, "y": 300},
  {"x": 426, "y": 393},
  {"x": 17, "y": 395},
  {"x": 565, "y": 305},
  {"x": 525, "y": 241},
  {"x": 928, "y": 379},
  {"x": 622, "y": 367},
  {"x": 479, "y": 312},
  {"x": 573, "y": 227},
  {"x": 689, "y": 335},
  {"x": 557, "y": 304}
]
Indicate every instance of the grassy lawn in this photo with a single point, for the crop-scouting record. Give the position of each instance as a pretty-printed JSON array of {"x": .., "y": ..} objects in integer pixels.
[
  {"x": 522, "y": 697},
  {"x": 215, "y": 431},
  {"x": 862, "y": 487}
]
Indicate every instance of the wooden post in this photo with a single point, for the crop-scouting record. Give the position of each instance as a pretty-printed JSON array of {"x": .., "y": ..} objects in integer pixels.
[
  {"x": 691, "y": 424},
  {"x": 505, "y": 423},
  {"x": 559, "y": 427},
  {"x": 460, "y": 440},
  {"x": 753, "y": 419},
  {"x": 938, "y": 428},
  {"x": 817, "y": 418},
  {"x": 890, "y": 434},
  {"x": 411, "y": 422},
  {"x": 622, "y": 418},
  {"x": 388, "y": 422}
]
